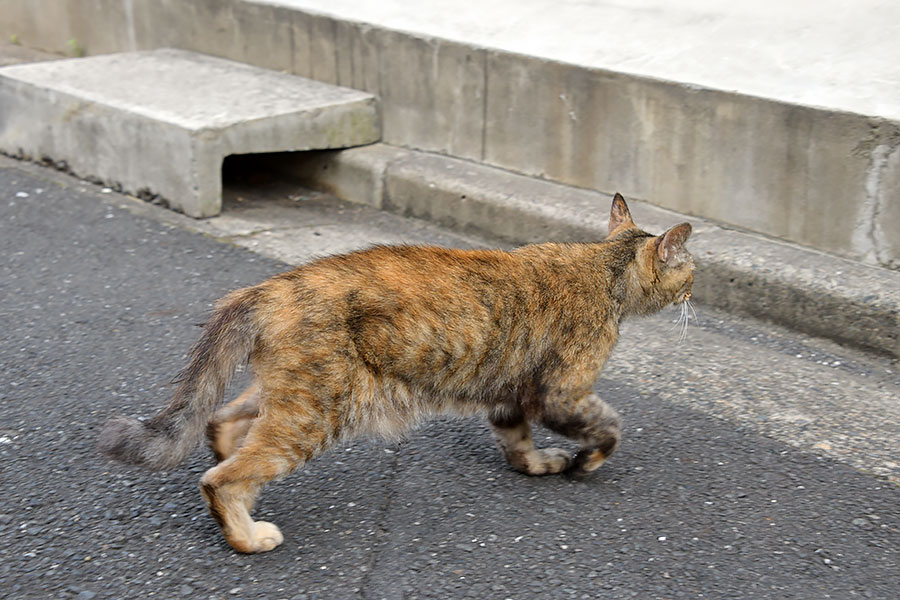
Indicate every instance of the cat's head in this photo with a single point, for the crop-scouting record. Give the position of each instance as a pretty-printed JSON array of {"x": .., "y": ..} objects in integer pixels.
[{"x": 662, "y": 270}]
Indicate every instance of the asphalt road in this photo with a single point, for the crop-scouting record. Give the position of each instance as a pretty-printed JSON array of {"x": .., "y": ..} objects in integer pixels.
[{"x": 98, "y": 307}]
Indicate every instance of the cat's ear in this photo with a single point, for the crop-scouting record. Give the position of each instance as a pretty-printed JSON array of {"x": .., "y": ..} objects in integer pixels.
[
  {"x": 670, "y": 244},
  {"x": 619, "y": 214}
]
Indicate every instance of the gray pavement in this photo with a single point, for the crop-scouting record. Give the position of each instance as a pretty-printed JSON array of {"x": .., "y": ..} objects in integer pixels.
[{"x": 756, "y": 462}]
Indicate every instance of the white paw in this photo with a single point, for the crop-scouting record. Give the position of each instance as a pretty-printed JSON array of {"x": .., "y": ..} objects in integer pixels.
[{"x": 266, "y": 536}]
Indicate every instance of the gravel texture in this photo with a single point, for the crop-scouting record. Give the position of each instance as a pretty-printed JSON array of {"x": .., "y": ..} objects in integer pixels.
[{"x": 711, "y": 495}]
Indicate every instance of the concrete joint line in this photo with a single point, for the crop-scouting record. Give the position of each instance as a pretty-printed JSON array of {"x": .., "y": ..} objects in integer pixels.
[
  {"x": 484, "y": 105},
  {"x": 384, "y": 199},
  {"x": 131, "y": 32},
  {"x": 868, "y": 238}
]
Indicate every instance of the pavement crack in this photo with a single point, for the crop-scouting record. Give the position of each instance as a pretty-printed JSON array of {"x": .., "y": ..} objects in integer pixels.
[
  {"x": 381, "y": 530},
  {"x": 255, "y": 233}
]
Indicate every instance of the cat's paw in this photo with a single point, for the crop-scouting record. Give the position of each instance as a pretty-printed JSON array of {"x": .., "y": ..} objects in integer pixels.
[
  {"x": 548, "y": 461},
  {"x": 266, "y": 536},
  {"x": 588, "y": 460}
]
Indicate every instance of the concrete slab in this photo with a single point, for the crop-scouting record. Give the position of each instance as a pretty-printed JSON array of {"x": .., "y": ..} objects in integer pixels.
[
  {"x": 828, "y": 53},
  {"x": 161, "y": 122}
]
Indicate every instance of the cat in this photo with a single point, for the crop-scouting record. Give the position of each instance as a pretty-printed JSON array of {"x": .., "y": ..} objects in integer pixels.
[{"x": 374, "y": 341}]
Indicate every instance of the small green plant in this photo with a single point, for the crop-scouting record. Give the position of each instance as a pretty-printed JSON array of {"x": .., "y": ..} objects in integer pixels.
[
  {"x": 75, "y": 48},
  {"x": 14, "y": 39}
]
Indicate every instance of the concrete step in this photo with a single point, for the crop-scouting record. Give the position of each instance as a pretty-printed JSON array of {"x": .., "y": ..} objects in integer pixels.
[{"x": 160, "y": 123}]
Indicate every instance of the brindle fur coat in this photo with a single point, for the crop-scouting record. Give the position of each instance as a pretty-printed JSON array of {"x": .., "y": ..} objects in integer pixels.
[{"x": 372, "y": 342}]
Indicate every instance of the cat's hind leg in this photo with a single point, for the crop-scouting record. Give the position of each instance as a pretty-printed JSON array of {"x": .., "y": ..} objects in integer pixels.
[
  {"x": 279, "y": 441},
  {"x": 590, "y": 421},
  {"x": 228, "y": 428},
  {"x": 514, "y": 437}
]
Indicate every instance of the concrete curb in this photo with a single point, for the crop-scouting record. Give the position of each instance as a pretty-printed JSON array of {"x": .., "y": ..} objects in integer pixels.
[{"x": 807, "y": 290}]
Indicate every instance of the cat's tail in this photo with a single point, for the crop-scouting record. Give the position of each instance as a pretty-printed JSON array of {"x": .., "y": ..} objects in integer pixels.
[{"x": 165, "y": 440}]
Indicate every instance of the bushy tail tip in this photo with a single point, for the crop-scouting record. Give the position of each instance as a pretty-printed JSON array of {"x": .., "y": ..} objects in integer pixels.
[{"x": 130, "y": 441}]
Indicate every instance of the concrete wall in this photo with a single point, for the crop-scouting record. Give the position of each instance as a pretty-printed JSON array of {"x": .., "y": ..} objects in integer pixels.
[{"x": 825, "y": 179}]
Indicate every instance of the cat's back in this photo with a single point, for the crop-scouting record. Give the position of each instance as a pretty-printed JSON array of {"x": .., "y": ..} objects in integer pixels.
[
  {"x": 398, "y": 285},
  {"x": 403, "y": 269},
  {"x": 434, "y": 276}
]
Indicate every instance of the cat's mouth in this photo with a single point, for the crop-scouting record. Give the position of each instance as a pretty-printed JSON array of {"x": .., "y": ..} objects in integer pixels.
[{"x": 684, "y": 297}]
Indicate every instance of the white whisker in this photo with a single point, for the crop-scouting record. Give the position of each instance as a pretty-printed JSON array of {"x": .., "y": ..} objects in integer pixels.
[
  {"x": 675, "y": 323},
  {"x": 684, "y": 319},
  {"x": 691, "y": 306}
]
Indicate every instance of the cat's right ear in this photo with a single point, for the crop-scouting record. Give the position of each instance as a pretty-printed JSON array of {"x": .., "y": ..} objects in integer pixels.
[
  {"x": 670, "y": 245},
  {"x": 619, "y": 214}
]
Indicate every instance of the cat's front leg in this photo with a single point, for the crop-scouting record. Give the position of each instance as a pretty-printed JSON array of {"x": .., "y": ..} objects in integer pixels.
[{"x": 514, "y": 437}]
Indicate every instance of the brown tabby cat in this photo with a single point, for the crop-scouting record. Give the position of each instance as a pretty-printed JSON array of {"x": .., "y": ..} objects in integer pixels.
[{"x": 375, "y": 341}]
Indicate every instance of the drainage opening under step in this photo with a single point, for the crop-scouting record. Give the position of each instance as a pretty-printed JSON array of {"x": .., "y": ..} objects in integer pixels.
[
  {"x": 268, "y": 176},
  {"x": 258, "y": 169}
]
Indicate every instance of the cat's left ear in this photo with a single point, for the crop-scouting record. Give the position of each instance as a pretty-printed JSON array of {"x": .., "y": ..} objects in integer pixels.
[
  {"x": 669, "y": 244},
  {"x": 619, "y": 214}
]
